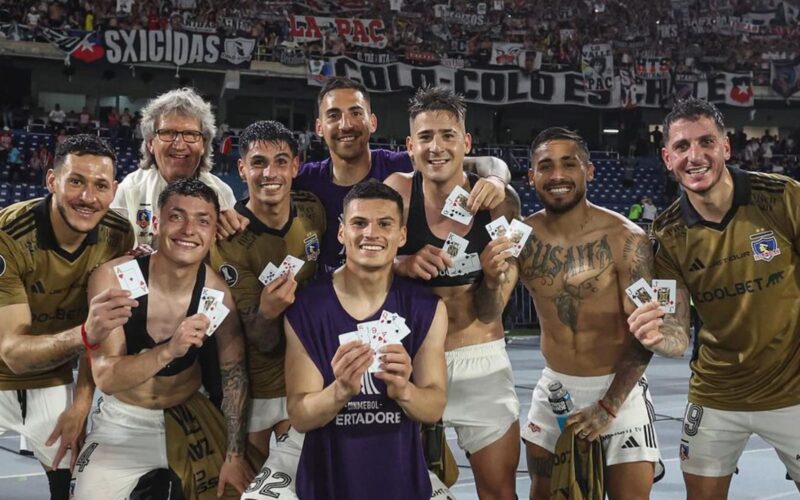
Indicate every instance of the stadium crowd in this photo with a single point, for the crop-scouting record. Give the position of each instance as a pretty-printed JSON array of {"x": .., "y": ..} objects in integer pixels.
[{"x": 705, "y": 35}]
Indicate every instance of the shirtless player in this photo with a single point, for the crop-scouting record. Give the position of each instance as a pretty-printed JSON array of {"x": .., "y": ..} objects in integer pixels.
[
  {"x": 153, "y": 431},
  {"x": 482, "y": 404},
  {"x": 576, "y": 265}
]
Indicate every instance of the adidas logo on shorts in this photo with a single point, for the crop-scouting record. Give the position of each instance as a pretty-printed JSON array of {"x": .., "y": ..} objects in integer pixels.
[{"x": 630, "y": 443}]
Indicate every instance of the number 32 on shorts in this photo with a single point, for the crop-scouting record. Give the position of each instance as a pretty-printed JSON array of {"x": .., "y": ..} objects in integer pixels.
[{"x": 692, "y": 418}]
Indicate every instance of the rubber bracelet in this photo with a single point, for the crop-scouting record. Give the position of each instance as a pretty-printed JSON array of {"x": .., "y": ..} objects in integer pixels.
[
  {"x": 606, "y": 408},
  {"x": 86, "y": 344}
]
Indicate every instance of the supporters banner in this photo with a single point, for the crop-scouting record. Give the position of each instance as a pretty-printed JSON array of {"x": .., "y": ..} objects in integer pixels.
[
  {"x": 628, "y": 88},
  {"x": 597, "y": 65},
  {"x": 358, "y": 32},
  {"x": 653, "y": 67},
  {"x": 739, "y": 89},
  {"x": 785, "y": 78},
  {"x": 83, "y": 46},
  {"x": 508, "y": 54},
  {"x": 515, "y": 86},
  {"x": 178, "y": 48}
]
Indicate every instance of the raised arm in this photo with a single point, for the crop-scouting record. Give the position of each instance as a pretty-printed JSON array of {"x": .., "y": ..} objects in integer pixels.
[
  {"x": 421, "y": 392},
  {"x": 662, "y": 333},
  {"x": 310, "y": 404},
  {"x": 113, "y": 369}
]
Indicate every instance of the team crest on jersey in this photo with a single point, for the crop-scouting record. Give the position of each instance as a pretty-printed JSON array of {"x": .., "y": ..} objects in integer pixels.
[
  {"x": 230, "y": 274},
  {"x": 311, "y": 244},
  {"x": 765, "y": 246},
  {"x": 143, "y": 217},
  {"x": 2, "y": 265}
]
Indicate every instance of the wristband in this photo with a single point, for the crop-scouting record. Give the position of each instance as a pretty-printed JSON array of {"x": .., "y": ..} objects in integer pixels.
[
  {"x": 606, "y": 408},
  {"x": 86, "y": 344}
]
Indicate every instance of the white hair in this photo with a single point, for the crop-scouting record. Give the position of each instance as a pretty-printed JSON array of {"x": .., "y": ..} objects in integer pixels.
[{"x": 184, "y": 102}]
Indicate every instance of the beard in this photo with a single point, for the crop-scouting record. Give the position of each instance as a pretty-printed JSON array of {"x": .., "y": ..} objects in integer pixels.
[
  {"x": 62, "y": 210},
  {"x": 564, "y": 206}
]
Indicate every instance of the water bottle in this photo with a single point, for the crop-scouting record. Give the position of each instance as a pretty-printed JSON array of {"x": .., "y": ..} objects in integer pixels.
[{"x": 560, "y": 402}]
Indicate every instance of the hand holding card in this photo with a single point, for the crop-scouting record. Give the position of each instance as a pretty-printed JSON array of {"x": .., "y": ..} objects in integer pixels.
[
  {"x": 666, "y": 293},
  {"x": 640, "y": 292},
  {"x": 130, "y": 278},
  {"x": 455, "y": 206}
]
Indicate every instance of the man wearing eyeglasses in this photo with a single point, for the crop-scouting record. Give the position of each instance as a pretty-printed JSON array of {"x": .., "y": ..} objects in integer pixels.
[{"x": 177, "y": 128}]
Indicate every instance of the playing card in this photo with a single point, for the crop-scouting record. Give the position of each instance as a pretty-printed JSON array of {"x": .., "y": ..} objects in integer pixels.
[
  {"x": 130, "y": 278},
  {"x": 666, "y": 292},
  {"x": 464, "y": 264},
  {"x": 455, "y": 206},
  {"x": 290, "y": 264},
  {"x": 640, "y": 292},
  {"x": 518, "y": 234},
  {"x": 217, "y": 316},
  {"x": 498, "y": 227},
  {"x": 455, "y": 245},
  {"x": 348, "y": 337},
  {"x": 269, "y": 274},
  {"x": 209, "y": 298}
]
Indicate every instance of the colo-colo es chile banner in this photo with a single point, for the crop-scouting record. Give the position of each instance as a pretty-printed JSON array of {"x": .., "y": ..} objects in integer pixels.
[
  {"x": 514, "y": 86},
  {"x": 175, "y": 47}
]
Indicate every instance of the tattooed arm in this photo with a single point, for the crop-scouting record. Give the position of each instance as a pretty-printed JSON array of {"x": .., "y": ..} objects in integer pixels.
[
  {"x": 500, "y": 271},
  {"x": 235, "y": 471},
  {"x": 25, "y": 353},
  {"x": 666, "y": 334}
]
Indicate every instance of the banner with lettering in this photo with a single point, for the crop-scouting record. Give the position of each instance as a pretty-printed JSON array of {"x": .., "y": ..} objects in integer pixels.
[
  {"x": 175, "y": 47},
  {"x": 514, "y": 86},
  {"x": 358, "y": 32}
]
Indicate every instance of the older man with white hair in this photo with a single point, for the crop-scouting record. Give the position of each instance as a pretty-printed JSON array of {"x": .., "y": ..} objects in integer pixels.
[{"x": 177, "y": 129}]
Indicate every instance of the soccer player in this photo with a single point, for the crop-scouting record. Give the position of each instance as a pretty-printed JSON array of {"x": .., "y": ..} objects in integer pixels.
[
  {"x": 177, "y": 131},
  {"x": 577, "y": 264},
  {"x": 362, "y": 432},
  {"x": 282, "y": 223},
  {"x": 48, "y": 247},
  {"x": 153, "y": 432},
  {"x": 482, "y": 404},
  {"x": 346, "y": 122},
  {"x": 731, "y": 241}
]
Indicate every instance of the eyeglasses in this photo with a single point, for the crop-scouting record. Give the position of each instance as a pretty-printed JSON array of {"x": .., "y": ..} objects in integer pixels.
[{"x": 189, "y": 136}]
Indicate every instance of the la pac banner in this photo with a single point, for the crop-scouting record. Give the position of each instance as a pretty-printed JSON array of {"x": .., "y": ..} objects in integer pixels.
[
  {"x": 515, "y": 86},
  {"x": 597, "y": 64},
  {"x": 358, "y": 32},
  {"x": 175, "y": 47}
]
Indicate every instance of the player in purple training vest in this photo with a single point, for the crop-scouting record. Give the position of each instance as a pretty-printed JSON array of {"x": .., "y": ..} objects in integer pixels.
[
  {"x": 346, "y": 122},
  {"x": 362, "y": 426}
]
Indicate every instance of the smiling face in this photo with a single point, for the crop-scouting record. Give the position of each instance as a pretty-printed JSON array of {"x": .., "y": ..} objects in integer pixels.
[
  {"x": 83, "y": 188},
  {"x": 559, "y": 173},
  {"x": 695, "y": 153},
  {"x": 268, "y": 168},
  {"x": 177, "y": 159},
  {"x": 346, "y": 123},
  {"x": 186, "y": 229},
  {"x": 371, "y": 233},
  {"x": 438, "y": 144}
]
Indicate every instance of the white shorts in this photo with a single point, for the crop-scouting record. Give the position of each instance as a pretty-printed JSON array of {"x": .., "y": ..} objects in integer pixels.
[
  {"x": 126, "y": 443},
  {"x": 276, "y": 479},
  {"x": 481, "y": 400},
  {"x": 713, "y": 440},
  {"x": 632, "y": 435},
  {"x": 44, "y": 406},
  {"x": 266, "y": 413}
]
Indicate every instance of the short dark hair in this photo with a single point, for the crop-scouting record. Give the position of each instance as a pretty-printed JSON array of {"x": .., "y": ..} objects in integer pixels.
[
  {"x": 374, "y": 190},
  {"x": 437, "y": 99},
  {"x": 340, "y": 82},
  {"x": 84, "y": 144},
  {"x": 266, "y": 131},
  {"x": 692, "y": 109},
  {"x": 189, "y": 187},
  {"x": 560, "y": 133}
]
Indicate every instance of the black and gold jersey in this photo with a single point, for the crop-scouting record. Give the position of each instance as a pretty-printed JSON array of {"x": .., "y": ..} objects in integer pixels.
[
  {"x": 35, "y": 270},
  {"x": 744, "y": 279},
  {"x": 241, "y": 259}
]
